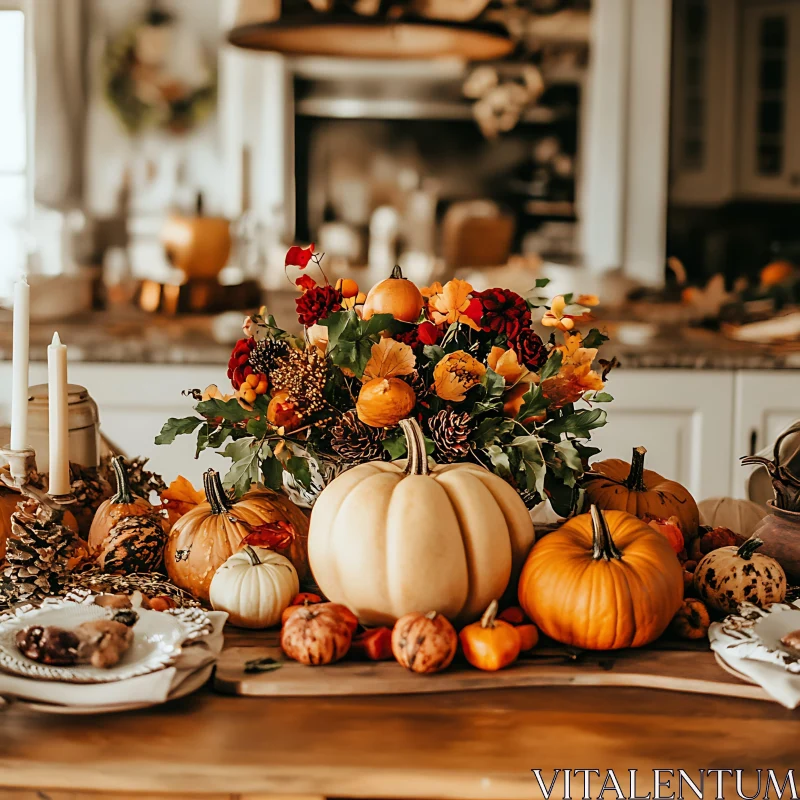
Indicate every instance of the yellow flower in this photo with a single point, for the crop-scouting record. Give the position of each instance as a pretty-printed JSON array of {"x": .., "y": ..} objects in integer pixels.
[
  {"x": 557, "y": 317},
  {"x": 456, "y": 374},
  {"x": 356, "y": 300},
  {"x": 213, "y": 393},
  {"x": 576, "y": 376},
  {"x": 506, "y": 364},
  {"x": 450, "y": 304},
  {"x": 429, "y": 291},
  {"x": 590, "y": 300}
]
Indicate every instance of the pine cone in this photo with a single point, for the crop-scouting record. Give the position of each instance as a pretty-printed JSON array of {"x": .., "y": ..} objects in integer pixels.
[
  {"x": 264, "y": 356},
  {"x": 418, "y": 384},
  {"x": 354, "y": 441},
  {"x": 450, "y": 432},
  {"x": 38, "y": 554}
]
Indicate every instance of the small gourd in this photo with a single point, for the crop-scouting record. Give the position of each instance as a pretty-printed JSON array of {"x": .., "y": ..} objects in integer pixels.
[
  {"x": 134, "y": 545},
  {"x": 254, "y": 586},
  {"x": 692, "y": 620},
  {"x": 424, "y": 643},
  {"x": 123, "y": 504},
  {"x": 397, "y": 296},
  {"x": 316, "y": 635},
  {"x": 729, "y": 576},
  {"x": 490, "y": 644}
]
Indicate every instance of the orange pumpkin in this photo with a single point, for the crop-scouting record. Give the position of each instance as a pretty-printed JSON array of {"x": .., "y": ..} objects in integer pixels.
[
  {"x": 602, "y": 581},
  {"x": 204, "y": 538},
  {"x": 123, "y": 504},
  {"x": 672, "y": 530},
  {"x": 692, "y": 620},
  {"x": 528, "y": 637},
  {"x": 424, "y": 643},
  {"x": 490, "y": 644},
  {"x": 396, "y": 296},
  {"x": 8, "y": 505},
  {"x": 383, "y": 402},
  {"x": 316, "y": 635},
  {"x": 615, "y": 485}
]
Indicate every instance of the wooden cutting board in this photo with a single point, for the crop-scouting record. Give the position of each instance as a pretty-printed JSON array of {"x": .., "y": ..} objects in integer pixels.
[{"x": 680, "y": 670}]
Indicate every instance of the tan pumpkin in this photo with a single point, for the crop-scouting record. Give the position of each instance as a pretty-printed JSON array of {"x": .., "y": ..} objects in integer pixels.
[
  {"x": 424, "y": 643},
  {"x": 203, "y": 539},
  {"x": 615, "y": 485},
  {"x": 388, "y": 539},
  {"x": 602, "y": 581},
  {"x": 316, "y": 635},
  {"x": 729, "y": 576},
  {"x": 396, "y": 296},
  {"x": 741, "y": 516},
  {"x": 123, "y": 504}
]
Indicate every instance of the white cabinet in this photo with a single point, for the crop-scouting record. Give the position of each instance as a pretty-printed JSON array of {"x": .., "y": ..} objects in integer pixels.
[
  {"x": 770, "y": 102},
  {"x": 765, "y": 404},
  {"x": 684, "y": 419}
]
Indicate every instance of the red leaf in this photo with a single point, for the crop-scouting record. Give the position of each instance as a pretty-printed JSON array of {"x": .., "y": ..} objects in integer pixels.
[
  {"x": 305, "y": 282},
  {"x": 428, "y": 333},
  {"x": 272, "y": 535},
  {"x": 298, "y": 256}
]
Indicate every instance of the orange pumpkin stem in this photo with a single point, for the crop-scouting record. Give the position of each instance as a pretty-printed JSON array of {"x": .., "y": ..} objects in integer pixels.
[
  {"x": 123, "y": 494},
  {"x": 487, "y": 620},
  {"x": 415, "y": 444},
  {"x": 215, "y": 494},
  {"x": 635, "y": 482},
  {"x": 602, "y": 544},
  {"x": 749, "y": 547}
]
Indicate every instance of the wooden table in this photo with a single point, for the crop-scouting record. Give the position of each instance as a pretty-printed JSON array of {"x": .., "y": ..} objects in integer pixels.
[{"x": 465, "y": 745}]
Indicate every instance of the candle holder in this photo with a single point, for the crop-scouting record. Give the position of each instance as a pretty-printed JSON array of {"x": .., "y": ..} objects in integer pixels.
[{"x": 22, "y": 463}]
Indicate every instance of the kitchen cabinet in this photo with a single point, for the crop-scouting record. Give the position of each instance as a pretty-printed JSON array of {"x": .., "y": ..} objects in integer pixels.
[
  {"x": 684, "y": 419},
  {"x": 765, "y": 404}
]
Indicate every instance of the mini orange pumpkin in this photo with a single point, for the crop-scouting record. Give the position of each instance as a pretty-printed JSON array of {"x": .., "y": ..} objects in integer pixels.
[
  {"x": 672, "y": 530},
  {"x": 316, "y": 635},
  {"x": 491, "y": 643},
  {"x": 424, "y": 643},
  {"x": 615, "y": 485},
  {"x": 383, "y": 402},
  {"x": 396, "y": 296},
  {"x": 123, "y": 504},
  {"x": 528, "y": 637},
  {"x": 692, "y": 620},
  {"x": 602, "y": 582}
]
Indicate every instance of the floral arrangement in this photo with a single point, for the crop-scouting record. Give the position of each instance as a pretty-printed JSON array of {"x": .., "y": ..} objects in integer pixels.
[{"x": 468, "y": 365}]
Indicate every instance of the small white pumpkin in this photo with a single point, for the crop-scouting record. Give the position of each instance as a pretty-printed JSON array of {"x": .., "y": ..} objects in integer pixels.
[
  {"x": 729, "y": 576},
  {"x": 740, "y": 516},
  {"x": 254, "y": 586}
]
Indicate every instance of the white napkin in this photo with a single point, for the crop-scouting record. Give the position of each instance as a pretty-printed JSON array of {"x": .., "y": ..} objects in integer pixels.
[
  {"x": 782, "y": 686},
  {"x": 152, "y": 688}
]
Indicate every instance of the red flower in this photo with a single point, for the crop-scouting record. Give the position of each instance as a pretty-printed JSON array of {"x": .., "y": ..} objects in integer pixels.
[
  {"x": 305, "y": 282},
  {"x": 420, "y": 335},
  {"x": 239, "y": 363},
  {"x": 475, "y": 310},
  {"x": 530, "y": 349},
  {"x": 317, "y": 304},
  {"x": 504, "y": 312},
  {"x": 298, "y": 256}
]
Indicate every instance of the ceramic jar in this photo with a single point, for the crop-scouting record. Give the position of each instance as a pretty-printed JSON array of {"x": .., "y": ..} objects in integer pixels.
[{"x": 780, "y": 532}]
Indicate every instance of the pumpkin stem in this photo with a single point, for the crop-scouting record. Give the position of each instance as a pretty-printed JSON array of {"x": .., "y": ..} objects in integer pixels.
[
  {"x": 602, "y": 544},
  {"x": 215, "y": 494},
  {"x": 431, "y": 615},
  {"x": 397, "y": 273},
  {"x": 252, "y": 555},
  {"x": 415, "y": 444},
  {"x": 123, "y": 494},
  {"x": 749, "y": 547},
  {"x": 635, "y": 482},
  {"x": 487, "y": 620}
]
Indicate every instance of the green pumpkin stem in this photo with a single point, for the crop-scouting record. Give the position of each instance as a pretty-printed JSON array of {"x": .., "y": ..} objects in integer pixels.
[
  {"x": 603, "y": 546},
  {"x": 215, "y": 494},
  {"x": 749, "y": 547},
  {"x": 415, "y": 443},
  {"x": 397, "y": 273},
  {"x": 252, "y": 555},
  {"x": 124, "y": 494},
  {"x": 635, "y": 481}
]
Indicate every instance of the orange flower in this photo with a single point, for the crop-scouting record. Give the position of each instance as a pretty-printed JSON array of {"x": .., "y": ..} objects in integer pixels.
[
  {"x": 575, "y": 377},
  {"x": 451, "y": 304},
  {"x": 179, "y": 497},
  {"x": 506, "y": 364},
  {"x": 213, "y": 393},
  {"x": 429, "y": 291},
  {"x": 564, "y": 316},
  {"x": 456, "y": 374}
]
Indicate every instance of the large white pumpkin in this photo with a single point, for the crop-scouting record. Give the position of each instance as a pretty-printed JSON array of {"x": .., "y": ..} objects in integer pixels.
[
  {"x": 388, "y": 539},
  {"x": 254, "y": 586},
  {"x": 740, "y": 516}
]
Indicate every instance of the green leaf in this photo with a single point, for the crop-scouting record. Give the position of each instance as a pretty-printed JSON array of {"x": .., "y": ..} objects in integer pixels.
[
  {"x": 577, "y": 424},
  {"x": 602, "y": 397},
  {"x": 272, "y": 472},
  {"x": 533, "y": 403},
  {"x": 563, "y": 499},
  {"x": 299, "y": 469},
  {"x": 532, "y": 462},
  {"x": 541, "y": 283},
  {"x": 493, "y": 383},
  {"x": 239, "y": 449},
  {"x": 177, "y": 426},
  {"x": 490, "y": 430},
  {"x": 375, "y": 324},
  {"x": 433, "y": 353},
  {"x": 337, "y": 323},
  {"x": 257, "y": 427},
  {"x": 262, "y": 665},
  {"x": 395, "y": 446},
  {"x": 552, "y": 365},
  {"x": 230, "y": 410},
  {"x": 570, "y": 456},
  {"x": 202, "y": 440},
  {"x": 242, "y": 475},
  {"x": 499, "y": 459},
  {"x": 594, "y": 338},
  {"x": 429, "y": 446}
]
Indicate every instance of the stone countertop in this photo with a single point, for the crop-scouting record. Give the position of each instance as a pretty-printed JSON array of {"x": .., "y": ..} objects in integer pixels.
[{"x": 132, "y": 336}]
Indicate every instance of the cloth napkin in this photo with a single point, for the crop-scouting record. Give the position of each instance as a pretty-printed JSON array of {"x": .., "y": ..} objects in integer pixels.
[
  {"x": 782, "y": 686},
  {"x": 152, "y": 688}
]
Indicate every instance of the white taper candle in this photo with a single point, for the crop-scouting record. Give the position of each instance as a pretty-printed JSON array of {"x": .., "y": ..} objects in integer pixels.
[{"x": 58, "y": 399}]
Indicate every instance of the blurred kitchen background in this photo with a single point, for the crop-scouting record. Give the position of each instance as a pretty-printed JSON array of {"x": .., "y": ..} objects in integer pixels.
[{"x": 158, "y": 158}]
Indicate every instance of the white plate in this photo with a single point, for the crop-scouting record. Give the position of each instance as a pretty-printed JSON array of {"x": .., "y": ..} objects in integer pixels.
[{"x": 157, "y": 640}]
